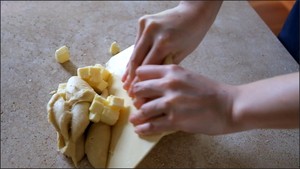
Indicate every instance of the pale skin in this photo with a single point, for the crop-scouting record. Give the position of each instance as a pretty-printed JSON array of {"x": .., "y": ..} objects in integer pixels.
[
  {"x": 171, "y": 98},
  {"x": 177, "y": 31}
]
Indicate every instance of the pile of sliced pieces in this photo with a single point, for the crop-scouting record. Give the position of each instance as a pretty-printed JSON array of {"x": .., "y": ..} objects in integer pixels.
[{"x": 82, "y": 112}]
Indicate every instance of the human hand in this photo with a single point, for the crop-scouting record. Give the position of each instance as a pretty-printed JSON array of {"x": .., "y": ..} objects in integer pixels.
[
  {"x": 176, "y": 32},
  {"x": 170, "y": 98}
]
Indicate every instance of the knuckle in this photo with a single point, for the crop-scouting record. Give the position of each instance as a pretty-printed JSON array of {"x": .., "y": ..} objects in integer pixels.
[
  {"x": 175, "y": 68},
  {"x": 171, "y": 119},
  {"x": 151, "y": 26},
  {"x": 144, "y": 110},
  {"x": 134, "y": 63},
  {"x": 136, "y": 89},
  {"x": 164, "y": 38},
  {"x": 167, "y": 104},
  {"x": 139, "y": 71},
  {"x": 142, "y": 20},
  {"x": 171, "y": 83},
  {"x": 151, "y": 127}
]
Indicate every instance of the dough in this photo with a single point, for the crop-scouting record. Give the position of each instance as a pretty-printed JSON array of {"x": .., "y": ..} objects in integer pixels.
[
  {"x": 97, "y": 144},
  {"x": 69, "y": 114},
  {"x": 77, "y": 90}
]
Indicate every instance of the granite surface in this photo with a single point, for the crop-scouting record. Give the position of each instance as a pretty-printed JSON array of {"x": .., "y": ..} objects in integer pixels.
[{"x": 239, "y": 48}]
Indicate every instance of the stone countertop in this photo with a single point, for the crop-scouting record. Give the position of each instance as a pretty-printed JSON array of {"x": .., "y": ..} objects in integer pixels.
[{"x": 239, "y": 48}]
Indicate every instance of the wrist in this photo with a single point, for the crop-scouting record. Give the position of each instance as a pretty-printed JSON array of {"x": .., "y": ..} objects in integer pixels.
[
  {"x": 235, "y": 119},
  {"x": 201, "y": 13},
  {"x": 202, "y": 7}
]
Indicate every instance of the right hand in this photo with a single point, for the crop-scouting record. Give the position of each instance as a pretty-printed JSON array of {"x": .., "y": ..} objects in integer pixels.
[
  {"x": 170, "y": 98},
  {"x": 177, "y": 32}
]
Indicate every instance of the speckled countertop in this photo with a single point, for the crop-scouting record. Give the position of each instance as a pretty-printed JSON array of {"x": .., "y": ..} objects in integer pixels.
[{"x": 239, "y": 48}]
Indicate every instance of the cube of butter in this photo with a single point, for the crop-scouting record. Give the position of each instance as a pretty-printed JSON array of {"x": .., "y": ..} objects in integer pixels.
[
  {"x": 101, "y": 86},
  {"x": 114, "y": 48},
  {"x": 104, "y": 72},
  {"x": 96, "y": 106},
  {"x": 109, "y": 116},
  {"x": 94, "y": 117},
  {"x": 115, "y": 102},
  {"x": 101, "y": 99},
  {"x": 84, "y": 72},
  {"x": 62, "y": 54},
  {"x": 95, "y": 109},
  {"x": 95, "y": 75}
]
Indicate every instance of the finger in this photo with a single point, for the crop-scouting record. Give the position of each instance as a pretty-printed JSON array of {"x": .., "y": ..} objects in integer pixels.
[
  {"x": 140, "y": 31},
  {"x": 130, "y": 93},
  {"x": 138, "y": 102},
  {"x": 157, "y": 54},
  {"x": 148, "y": 89},
  {"x": 125, "y": 76},
  {"x": 156, "y": 126},
  {"x": 147, "y": 72},
  {"x": 136, "y": 59},
  {"x": 142, "y": 22},
  {"x": 149, "y": 110}
]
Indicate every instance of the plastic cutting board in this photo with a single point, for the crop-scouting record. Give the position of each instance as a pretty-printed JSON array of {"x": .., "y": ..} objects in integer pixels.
[{"x": 127, "y": 148}]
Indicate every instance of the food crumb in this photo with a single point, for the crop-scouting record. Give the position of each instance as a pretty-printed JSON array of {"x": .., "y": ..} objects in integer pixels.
[{"x": 52, "y": 92}]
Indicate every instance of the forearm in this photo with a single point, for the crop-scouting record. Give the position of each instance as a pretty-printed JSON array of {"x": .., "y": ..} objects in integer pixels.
[
  {"x": 202, "y": 9},
  {"x": 269, "y": 103}
]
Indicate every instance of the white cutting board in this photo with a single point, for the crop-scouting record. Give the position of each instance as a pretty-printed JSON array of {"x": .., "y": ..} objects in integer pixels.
[{"x": 127, "y": 148}]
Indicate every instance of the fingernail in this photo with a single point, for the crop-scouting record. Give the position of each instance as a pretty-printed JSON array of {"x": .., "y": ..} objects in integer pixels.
[
  {"x": 123, "y": 78},
  {"x": 142, "y": 129},
  {"x": 126, "y": 85},
  {"x": 130, "y": 93},
  {"x": 131, "y": 118},
  {"x": 138, "y": 103}
]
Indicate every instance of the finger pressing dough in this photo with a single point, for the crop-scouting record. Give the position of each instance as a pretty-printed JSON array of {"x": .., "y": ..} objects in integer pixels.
[{"x": 97, "y": 144}]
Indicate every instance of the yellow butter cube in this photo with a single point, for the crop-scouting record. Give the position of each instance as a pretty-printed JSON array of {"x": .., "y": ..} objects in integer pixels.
[
  {"x": 96, "y": 106},
  {"x": 84, "y": 72},
  {"x": 109, "y": 116},
  {"x": 114, "y": 48},
  {"x": 62, "y": 54},
  {"x": 96, "y": 109},
  {"x": 95, "y": 75},
  {"x": 104, "y": 72},
  {"x": 101, "y": 86},
  {"x": 94, "y": 117},
  {"x": 115, "y": 102},
  {"x": 101, "y": 99}
]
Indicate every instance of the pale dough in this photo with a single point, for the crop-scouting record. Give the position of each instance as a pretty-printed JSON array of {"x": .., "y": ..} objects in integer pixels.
[
  {"x": 97, "y": 144},
  {"x": 70, "y": 117}
]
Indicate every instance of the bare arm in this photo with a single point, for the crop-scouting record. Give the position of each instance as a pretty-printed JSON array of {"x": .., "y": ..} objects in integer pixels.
[
  {"x": 269, "y": 103},
  {"x": 172, "y": 98}
]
